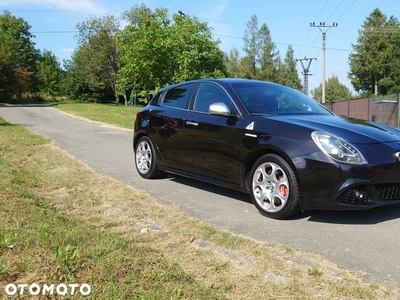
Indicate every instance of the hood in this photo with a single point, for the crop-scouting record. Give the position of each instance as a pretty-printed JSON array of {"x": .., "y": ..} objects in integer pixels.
[{"x": 353, "y": 130}]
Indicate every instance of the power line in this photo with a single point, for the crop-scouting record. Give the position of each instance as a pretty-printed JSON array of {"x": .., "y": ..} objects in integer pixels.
[
  {"x": 229, "y": 36},
  {"x": 321, "y": 10},
  {"x": 334, "y": 10},
  {"x": 61, "y": 31},
  {"x": 379, "y": 30},
  {"x": 215, "y": 34},
  {"x": 287, "y": 44},
  {"x": 336, "y": 49},
  {"x": 346, "y": 11},
  {"x": 309, "y": 31}
]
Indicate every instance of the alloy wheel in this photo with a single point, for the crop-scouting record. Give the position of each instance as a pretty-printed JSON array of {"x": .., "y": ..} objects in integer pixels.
[
  {"x": 143, "y": 157},
  {"x": 270, "y": 187}
]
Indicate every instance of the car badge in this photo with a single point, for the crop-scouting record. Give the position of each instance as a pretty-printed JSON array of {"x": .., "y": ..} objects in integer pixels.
[{"x": 250, "y": 126}]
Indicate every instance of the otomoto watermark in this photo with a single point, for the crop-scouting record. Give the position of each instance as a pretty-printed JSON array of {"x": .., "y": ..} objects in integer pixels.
[{"x": 35, "y": 289}]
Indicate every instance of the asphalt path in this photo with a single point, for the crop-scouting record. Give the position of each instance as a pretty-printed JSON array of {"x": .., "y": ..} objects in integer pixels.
[{"x": 357, "y": 240}]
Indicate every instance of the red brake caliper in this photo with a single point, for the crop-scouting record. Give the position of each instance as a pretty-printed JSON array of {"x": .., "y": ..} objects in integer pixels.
[{"x": 283, "y": 190}]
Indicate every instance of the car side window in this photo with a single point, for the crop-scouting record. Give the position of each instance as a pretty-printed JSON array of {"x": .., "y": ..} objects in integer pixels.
[
  {"x": 155, "y": 99},
  {"x": 178, "y": 96},
  {"x": 209, "y": 93}
]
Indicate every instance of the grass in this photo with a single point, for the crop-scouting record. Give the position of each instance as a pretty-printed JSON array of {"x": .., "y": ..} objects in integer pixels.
[
  {"x": 48, "y": 235},
  {"x": 62, "y": 223},
  {"x": 27, "y": 100},
  {"x": 117, "y": 115}
]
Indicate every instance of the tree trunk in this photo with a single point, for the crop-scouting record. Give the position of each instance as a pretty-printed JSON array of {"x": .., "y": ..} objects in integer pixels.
[
  {"x": 116, "y": 96},
  {"x": 126, "y": 99}
]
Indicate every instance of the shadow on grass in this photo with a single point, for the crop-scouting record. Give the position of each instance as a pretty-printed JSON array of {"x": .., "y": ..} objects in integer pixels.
[
  {"x": 5, "y": 124},
  {"x": 45, "y": 104}
]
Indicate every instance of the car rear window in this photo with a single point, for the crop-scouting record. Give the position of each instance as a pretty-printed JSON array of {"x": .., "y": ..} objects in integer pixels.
[{"x": 178, "y": 96}]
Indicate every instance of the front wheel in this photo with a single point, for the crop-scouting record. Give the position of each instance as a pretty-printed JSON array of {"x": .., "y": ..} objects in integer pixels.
[
  {"x": 273, "y": 187},
  {"x": 145, "y": 159}
]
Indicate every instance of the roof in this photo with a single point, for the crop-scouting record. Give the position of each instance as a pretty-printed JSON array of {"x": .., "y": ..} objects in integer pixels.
[{"x": 217, "y": 80}]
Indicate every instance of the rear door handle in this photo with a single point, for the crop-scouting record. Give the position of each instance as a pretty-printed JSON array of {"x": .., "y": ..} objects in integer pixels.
[{"x": 192, "y": 123}]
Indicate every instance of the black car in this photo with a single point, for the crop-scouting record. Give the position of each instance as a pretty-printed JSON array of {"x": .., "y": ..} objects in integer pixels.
[{"x": 285, "y": 149}]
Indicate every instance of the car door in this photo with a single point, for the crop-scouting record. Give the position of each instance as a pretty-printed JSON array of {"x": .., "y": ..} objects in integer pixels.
[
  {"x": 166, "y": 125},
  {"x": 213, "y": 140}
]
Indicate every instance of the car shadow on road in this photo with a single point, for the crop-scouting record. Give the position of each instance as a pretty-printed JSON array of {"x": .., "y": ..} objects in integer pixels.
[
  {"x": 367, "y": 217},
  {"x": 212, "y": 188},
  {"x": 359, "y": 217}
]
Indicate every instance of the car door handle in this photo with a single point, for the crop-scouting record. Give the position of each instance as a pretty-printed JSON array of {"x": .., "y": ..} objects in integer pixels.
[{"x": 192, "y": 123}]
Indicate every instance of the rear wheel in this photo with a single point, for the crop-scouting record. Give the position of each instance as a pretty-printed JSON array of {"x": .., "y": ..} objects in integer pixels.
[
  {"x": 145, "y": 159},
  {"x": 274, "y": 188}
]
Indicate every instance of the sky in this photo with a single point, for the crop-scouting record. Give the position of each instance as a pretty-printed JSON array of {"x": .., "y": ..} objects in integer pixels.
[{"x": 53, "y": 23}]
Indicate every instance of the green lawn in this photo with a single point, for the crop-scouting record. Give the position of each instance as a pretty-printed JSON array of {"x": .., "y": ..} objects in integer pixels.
[{"x": 117, "y": 115}]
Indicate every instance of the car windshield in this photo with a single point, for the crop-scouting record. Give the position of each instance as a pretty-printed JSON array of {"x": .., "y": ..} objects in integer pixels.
[{"x": 263, "y": 98}]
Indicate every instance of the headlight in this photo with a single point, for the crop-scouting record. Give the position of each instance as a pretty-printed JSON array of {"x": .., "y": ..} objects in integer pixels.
[{"x": 338, "y": 148}]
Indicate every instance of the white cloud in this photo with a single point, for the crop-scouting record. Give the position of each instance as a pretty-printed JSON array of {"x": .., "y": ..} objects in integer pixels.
[
  {"x": 67, "y": 50},
  {"x": 213, "y": 12},
  {"x": 82, "y": 6}
]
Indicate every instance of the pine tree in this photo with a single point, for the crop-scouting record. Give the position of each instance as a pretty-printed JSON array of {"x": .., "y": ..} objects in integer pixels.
[
  {"x": 291, "y": 77},
  {"x": 251, "y": 48},
  {"x": 373, "y": 61}
]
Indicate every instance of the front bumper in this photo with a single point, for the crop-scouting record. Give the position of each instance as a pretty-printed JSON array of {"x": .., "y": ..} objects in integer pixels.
[{"x": 327, "y": 184}]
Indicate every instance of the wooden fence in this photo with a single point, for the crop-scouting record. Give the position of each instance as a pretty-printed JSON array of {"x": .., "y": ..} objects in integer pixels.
[{"x": 386, "y": 111}]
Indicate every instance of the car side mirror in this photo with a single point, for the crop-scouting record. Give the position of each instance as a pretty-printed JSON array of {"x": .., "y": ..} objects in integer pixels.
[{"x": 220, "y": 109}]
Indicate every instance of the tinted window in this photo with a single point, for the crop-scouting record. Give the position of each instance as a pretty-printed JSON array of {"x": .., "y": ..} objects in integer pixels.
[
  {"x": 266, "y": 98},
  {"x": 155, "y": 100},
  {"x": 209, "y": 93},
  {"x": 177, "y": 97}
]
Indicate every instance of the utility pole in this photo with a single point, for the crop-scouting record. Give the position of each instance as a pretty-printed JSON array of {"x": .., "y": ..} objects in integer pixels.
[
  {"x": 306, "y": 72},
  {"x": 324, "y": 31}
]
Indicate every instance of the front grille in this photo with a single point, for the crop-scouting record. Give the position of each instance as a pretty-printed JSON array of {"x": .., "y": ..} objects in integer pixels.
[
  {"x": 388, "y": 191},
  {"x": 354, "y": 196},
  {"x": 358, "y": 195}
]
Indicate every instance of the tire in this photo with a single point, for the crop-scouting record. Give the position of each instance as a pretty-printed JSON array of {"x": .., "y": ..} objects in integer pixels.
[
  {"x": 146, "y": 160},
  {"x": 273, "y": 187}
]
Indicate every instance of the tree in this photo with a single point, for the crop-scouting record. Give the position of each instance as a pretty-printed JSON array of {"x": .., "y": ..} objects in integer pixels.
[
  {"x": 281, "y": 70},
  {"x": 49, "y": 74},
  {"x": 267, "y": 57},
  {"x": 393, "y": 57},
  {"x": 96, "y": 62},
  {"x": 157, "y": 51},
  {"x": 290, "y": 75},
  {"x": 18, "y": 56},
  {"x": 334, "y": 91},
  {"x": 372, "y": 63},
  {"x": 251, "y": 47},
  {"x": 232, "y": 64},
  {"x": 262, "y": 61}
]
